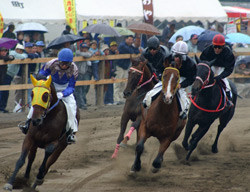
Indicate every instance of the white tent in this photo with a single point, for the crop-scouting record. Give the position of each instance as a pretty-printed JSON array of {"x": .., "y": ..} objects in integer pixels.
[
  {"x": 178, "y": 10},
  {"x": 42, "y": 11}
]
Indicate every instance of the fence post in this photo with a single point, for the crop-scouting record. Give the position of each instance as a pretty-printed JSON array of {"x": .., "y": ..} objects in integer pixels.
[
  {"x": 100, "y": 88},
  {"x": 25, "y": 81}
]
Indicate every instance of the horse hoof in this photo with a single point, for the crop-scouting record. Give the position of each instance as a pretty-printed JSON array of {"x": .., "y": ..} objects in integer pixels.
[
  {"x": 123, "y": 145},
  {"x": 155, "y": 170},
  {"x": 39, "y": 181},
  {"x": 185, "y": 162},
  {"x": 215, "y": 150},
  {"x": 8, "y": 187}
]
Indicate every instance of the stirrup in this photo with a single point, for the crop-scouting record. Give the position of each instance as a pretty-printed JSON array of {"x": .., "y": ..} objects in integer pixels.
[
  {"x": 71, "y": 139},
  {"x": 230, "y": 103},
  {"x": 24, "y": 126},
  {"x": 183, "y": 115}
]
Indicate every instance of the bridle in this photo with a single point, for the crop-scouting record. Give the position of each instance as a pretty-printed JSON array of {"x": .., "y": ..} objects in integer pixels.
[
  {"x": 139, "y": 85},
  {"x": 178, "y": 81},
  {"x": 204, "y": 83}
]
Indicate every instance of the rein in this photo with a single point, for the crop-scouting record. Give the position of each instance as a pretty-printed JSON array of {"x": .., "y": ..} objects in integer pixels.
[
  {"x": 139, "y": 85},
  {"x": 204, "y": 86}
]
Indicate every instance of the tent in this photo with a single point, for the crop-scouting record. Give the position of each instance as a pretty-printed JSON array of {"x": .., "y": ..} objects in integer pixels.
[
  {"x": 132, "y": 10},
  {"x": 235, "y": 12},
  {"x": 42, "y": 11}
]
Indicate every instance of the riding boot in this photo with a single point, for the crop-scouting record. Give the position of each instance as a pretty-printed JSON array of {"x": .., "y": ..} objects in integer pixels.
[
  {"x": 229, "y": 100},
  {"x": 71, "y": 139},
  {"x": 24, "y": 126}
]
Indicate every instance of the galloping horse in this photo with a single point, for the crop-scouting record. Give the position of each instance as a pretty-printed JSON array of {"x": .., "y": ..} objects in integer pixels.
[
  {"x": 209, "y": 103},
  {"x": 47, "y": 130},
  {"x": 161, "y": 120},
  {"x": 140, "y": 81}
]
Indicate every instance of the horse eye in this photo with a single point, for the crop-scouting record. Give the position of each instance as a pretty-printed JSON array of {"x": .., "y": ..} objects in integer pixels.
[
  {"x": 45, "y": 97},
  {"x": 32, "y": 95}
]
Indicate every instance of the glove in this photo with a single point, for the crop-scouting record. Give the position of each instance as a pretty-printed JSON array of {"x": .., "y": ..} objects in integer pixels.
[
  {"x": 218, "y": 78},
  {"x": 59, "y": 95}
]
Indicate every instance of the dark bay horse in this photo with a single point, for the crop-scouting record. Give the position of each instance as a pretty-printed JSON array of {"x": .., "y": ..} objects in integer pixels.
[
  {"x": 47, "y": 131},
  {"x": 161, "y": 120},
  {"x": 140, "y": 81},
  {"x": 209, "y": 104}
]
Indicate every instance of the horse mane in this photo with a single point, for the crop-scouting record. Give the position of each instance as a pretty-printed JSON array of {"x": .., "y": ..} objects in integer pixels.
[{"x": 135, "y": 61}]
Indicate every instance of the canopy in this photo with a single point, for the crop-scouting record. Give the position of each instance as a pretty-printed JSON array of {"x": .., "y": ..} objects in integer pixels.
[
  {"x": 42, "y": 11},
  {"x": 179, "y": 10},
  {"x": 237, "y": 12}
]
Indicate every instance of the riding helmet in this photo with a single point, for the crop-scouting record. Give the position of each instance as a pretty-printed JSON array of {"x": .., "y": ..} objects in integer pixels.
[
  {"x": 180, "y": 47},
  {"x": 219, "y": 40},
  {"x": 153, "y": 42},
  {"x": 65, "y": 55}
]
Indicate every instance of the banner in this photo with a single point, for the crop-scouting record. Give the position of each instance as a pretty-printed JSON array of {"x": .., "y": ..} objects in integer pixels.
[
  {"x": 148, "y": 11},
  {"x": 70, "y": 13},
  {"x": 1, "y": 25}
]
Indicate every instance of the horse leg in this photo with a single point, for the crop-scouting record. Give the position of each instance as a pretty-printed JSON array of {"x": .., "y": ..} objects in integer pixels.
[
  {"x": 141, "y": 138},
  {"x": 124, "y": 122},
  {"x": 135, "y": 125},
  {"x": 189, "y": 128},
  {"x": 164, "y": 144},
  {"x": 224, "y": 119},
  {"x": 27, "y": 144},
  {"x": 196, "y": 137},
  {"x": 31, "y": 158},
  {"x": 39, "y": 178}
]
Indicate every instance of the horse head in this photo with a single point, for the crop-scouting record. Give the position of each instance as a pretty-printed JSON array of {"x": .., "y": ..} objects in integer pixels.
[
  {"x": 138, "y": 73},
  {"x": 170, "y": 83},
  {"x": 204, "y": 77},
  {"x": 41, "y": 98}
]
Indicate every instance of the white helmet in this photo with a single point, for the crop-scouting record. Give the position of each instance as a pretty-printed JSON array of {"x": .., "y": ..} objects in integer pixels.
[{"x": 180, "y": 47}]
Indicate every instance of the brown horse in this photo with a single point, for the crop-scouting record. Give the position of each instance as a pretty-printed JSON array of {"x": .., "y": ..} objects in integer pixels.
[
  {"x": 47, "y": 131},
  {"x": 140, "y": 81},
  {"x": 161, "y": 120}
]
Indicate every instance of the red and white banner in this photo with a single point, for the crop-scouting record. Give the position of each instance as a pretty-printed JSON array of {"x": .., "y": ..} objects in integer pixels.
[{"x": 233, "y": 12}]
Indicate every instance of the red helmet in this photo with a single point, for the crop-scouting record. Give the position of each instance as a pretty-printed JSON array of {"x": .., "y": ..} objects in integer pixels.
[{"x": 219, "y": 40}]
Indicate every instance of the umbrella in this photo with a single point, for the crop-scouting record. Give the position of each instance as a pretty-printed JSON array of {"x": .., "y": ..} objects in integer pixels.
[
  {"x": 7, "y": 42},
  {"x": 206, "y": 38},
  {"x": 31, "y": 26},
  {"x": 186, "y": 32},
  {"x": 121, "y": 30},
  {"x": 238, "y": 38},
  {"x": 144, "y": 28},
  {"x": 102, "y": 29},
  {"x": 59, "y": 41}
]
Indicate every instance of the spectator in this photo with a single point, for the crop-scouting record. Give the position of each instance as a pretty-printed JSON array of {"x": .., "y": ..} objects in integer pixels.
[
  {"x": 3, "y": 68},
  {"x": 30, "y": 50},
  {"x": 137, "y": 43},
  {"x": 9, "y": 33},
  {"x": 109, "y": 73},
  {"x": 192, "y": 44},
  {"x": 12, "y": 70},
  {"x": 67, "y": 30},
  {"x": 20, "y": 38},
  {"x": 26, "y": 38},
  {"x": 95, "y": 64},
  {"x": 179, "y": 38},
  {"x": 242, "y": 68},
  {"x": 167, "y": 33},
  {"x": 122, "y": 68},
  {"x": 40, "y": 47},
  {"x": 84, "y": 73}
]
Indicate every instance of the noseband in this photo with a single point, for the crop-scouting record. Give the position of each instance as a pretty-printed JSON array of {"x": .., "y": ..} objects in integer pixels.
[
  {"x": 138, "y": 71},
  {"x": 204, "y": 83}
]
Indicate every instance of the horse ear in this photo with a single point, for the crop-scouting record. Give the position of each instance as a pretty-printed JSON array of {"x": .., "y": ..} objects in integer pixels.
[
  {"x": 210, "y": 63},
  {"x": 197, "y": 59},
  {"x": 166, "y": 62},
  {"x": 33, "y": 80},
  {"x": 48, "y": 82}
]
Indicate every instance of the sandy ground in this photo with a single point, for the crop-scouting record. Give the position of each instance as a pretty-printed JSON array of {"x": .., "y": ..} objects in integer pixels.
[{"x": 87, "y": 166}]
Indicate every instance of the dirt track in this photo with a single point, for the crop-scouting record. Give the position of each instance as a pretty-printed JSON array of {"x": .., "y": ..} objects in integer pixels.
[{"x": 86, "y": 166}]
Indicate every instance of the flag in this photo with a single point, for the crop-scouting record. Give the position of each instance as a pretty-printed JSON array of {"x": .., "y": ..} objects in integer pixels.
[
  {"x": 70, "y": 13},
  {"x": 148, "y": 11}
]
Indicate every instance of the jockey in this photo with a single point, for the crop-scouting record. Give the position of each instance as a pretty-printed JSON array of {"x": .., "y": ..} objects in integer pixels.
[
  {"x": 64, "y": 73},
  {"x": 156, "y": 55},
  {"x": 187, "y": 76},
  {"x": 223, "y": 64}
]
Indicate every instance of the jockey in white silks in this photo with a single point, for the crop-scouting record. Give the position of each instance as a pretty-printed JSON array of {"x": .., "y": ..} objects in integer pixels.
[
  {"x": 187, "y": 77},
  {"x": 222, "y": 62},
  {"x": 64, "y": 73}
]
